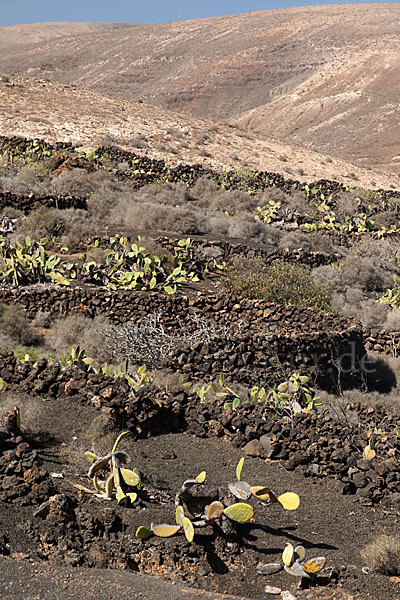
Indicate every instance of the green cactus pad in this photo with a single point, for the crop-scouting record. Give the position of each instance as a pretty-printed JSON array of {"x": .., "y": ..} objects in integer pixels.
[{"x": 143, "y": 532}]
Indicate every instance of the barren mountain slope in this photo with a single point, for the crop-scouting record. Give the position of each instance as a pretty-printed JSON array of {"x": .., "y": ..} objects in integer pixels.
[
  {"x": 335, "y": 65},
  {"x": 16, "y": 36},
  {"x": 350, "y": 109},
  {"x": 60, "y": 113}
]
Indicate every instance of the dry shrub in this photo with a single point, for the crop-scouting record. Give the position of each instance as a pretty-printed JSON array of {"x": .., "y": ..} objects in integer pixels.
[
  {"x": 364, "y": 274},
  {"x": 373, "y": 314},
  {"x": 323, "y": 243},
  {"x": 383, "y": 555},
  {"x": 41, "y": 222},
  {"x": 346, "y": 204},
  {"x": 15, "y": 326},
  {"x": 43, "y": 319},
  {"x": 297, "y": 201},
  {"x": 272, "y": 193},
  {"x": 107, "y": 194},
  {"x": 294, "y": 240},
  {"x": 328, "y": 276},
  {"x": 381, "y": 374},
  {"x": 78, "y": 226},
  {"x": 174, "y": 208},
  {"x": 353, "y": 303},
  {"x": 74, "y": 182},
  {"x": 380, "y": 250},
  {"x": 78, "y": 330},
  {"x": 392, "y": 321},
  {"x": 71, "y": 226},
  {"x": 11, "y": 212},
  {"x": 242, "y": 227},
  {"x": 206, "y": 194},
  {"x": 155, "y": 217},
  {"x": 170, "y": 381},
  {"x": 389, "y": 218},
  {"x": 138, "y": 143},
  {"x": 31, "y": 179},
  {"x": 172, "y": 194}
]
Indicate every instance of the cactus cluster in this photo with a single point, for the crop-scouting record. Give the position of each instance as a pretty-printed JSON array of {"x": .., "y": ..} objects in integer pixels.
[
  {"x": 118, "y": 478},
  {"x": 129, "y": 266},
  {"x": 29, "y": 262},
  {"x": 216, "y": 511}
]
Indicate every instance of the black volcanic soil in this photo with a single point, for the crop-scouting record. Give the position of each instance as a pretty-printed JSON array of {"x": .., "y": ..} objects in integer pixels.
[
  {"x": 56, "y": 536},
  {"x": 326, "y": 523}
]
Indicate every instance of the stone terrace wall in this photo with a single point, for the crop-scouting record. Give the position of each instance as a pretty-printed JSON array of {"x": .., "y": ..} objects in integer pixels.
[
  {"x": 269, "y": 336},
  {"x": 225, "y": 250},
  {"x": 147, "y": 170},
  {"x": 28, "y": 202}
]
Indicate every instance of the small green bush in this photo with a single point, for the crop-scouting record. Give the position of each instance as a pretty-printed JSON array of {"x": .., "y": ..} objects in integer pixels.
[{"x": 280, "y": 283}]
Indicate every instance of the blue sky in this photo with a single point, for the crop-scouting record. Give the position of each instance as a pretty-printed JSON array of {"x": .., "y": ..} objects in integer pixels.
[{"x": 13, "y": 12}]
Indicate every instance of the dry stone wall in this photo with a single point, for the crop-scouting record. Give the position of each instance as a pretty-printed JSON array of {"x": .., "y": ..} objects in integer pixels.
[
  {"x": 224, "y": 251},
  {"x": 263, "y": 338},
  {"x": 28, "y": 202},
  {"x": 147, "y": 170},
  {"x": 320, "y": 444}
]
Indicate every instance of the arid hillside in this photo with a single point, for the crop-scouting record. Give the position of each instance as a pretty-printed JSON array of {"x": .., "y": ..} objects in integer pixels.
[
  {"x": 16, "y": 36},
  {"x": 325, "y": 77},
  {"x": 56, "y": 112}
]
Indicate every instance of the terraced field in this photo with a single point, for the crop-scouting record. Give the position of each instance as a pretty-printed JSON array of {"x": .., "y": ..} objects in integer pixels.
[{"x": 207, "y": 316}]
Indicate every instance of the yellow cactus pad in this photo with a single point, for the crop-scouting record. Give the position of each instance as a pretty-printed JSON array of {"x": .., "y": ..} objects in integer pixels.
[
  {"x": 261, "y": 492},
  {"x": 314, "y": 565},
  {"x": 188, "y": 529},
  {"x": 288, "y": 555},
  {"x": 299, "y": 553},
  {"x": 201, "y": 477},
  {"x": 165, "y": 530},
  {"x": 239, "y": 512},
  {"x": 239, "y": 468},
  {"x": 369, "y": 453},
  {"x": 120, "y": 494},
  {"x": 92, "y": 457},
  {"x": 179, "y": 515},
  {"x": 289, "y": 501},
  {"x": 130, "y": 477}
]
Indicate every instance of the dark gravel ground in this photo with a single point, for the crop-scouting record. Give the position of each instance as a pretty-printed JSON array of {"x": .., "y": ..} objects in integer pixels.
[{"x": 23, "y": 580}]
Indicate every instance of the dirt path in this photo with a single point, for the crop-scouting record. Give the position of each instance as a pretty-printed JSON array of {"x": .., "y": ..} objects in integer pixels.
[{"x": 22, "y": 580}]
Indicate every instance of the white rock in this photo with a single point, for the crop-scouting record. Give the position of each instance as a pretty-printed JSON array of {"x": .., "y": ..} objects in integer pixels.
[{"x": 270, "y": 589}]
